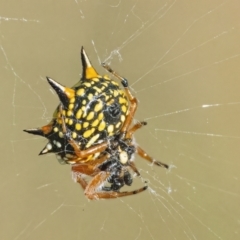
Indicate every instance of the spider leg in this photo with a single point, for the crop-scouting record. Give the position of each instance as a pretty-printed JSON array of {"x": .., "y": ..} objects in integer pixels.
[
  {"x": 134, "y": 168},
  {"x": 132, "y": 108},
  {"x": 90, "y": 151},
  {"x": 82, "y": 181},
  {"x": 92, "y": 189},
  {"x": 134, "y": 128},
  {"x": 89, "y": 168},
  {"x": 131, "y": 98},
  {"x": 144, "y": 155}
]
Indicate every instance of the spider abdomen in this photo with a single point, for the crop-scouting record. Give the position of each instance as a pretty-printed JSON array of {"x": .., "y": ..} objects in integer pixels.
[{"x": 89, "y": 113}]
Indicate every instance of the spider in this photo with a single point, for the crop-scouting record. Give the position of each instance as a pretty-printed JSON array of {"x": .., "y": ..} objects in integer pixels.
[{"x": 92, "y": 129}]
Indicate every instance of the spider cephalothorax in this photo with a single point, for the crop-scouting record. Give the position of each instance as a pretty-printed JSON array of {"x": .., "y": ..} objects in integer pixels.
[{"x": 92, "y": 130}]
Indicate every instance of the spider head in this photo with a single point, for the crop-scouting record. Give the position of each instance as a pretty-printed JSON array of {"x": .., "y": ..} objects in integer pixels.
[
  {"x": 120, "y": 153},
  {"x": 118, "y": 174}
]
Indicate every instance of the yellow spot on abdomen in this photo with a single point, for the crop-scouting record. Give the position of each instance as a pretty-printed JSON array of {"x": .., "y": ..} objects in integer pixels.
[
  {"x": 118, "y": 125},
  {"x": 122, "y": 100},
  {"x": 101, "y": 126},
  {"x": 74, "y": 135},
  {"x": 106, "y": 77},
  {"x": 80, "y": 91},
  {"x": 78, "y": 126},
  {"x": 79, "y": 114},
  {"x": 115, "y": 93},
  {"x": 110, "y": 128},
  {"x": 85, "y": 124},
  {"x": 90, "y": 116},
  {"x": 98, "y": 107},
  {"x": 72, "y": 100},
  {"x": 110, "y": 102},
  {"x": 92, "y": 140},
  {"x": 88, "y": 133},
  {"x": 122, "y": 118},
  {"x": 95, "y": 79},
  {"x": 124, "y": 108},
  {"x": 60, "y": 134},
  {"x": 90, "y": 96},
  {"x": 100, "y": 116},
  {"x": 69, "y": 113},
  {"x": 95, "y": 123},
  {"x": 70, "y": 106},
  {"x": 105, "y": 84},
  {"x": 87, "y": 84},
  {"x": 97, "y": 89},
  {"x": 114, "y": 83}
]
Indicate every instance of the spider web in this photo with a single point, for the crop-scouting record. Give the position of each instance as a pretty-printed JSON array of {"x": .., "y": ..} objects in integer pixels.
[{"x": 182, "y": 60}]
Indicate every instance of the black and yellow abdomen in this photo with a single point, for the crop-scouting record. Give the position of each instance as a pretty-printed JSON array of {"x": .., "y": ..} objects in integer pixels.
[{"x": 89, "y": 113}]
